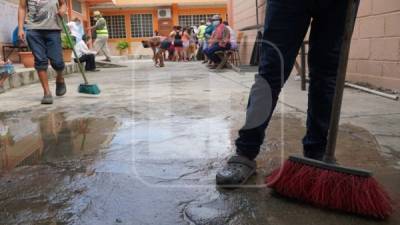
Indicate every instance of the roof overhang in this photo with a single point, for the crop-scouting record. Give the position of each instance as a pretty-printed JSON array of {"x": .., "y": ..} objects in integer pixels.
[
  {"x": 95, "y": 2},
  {"x": 157, "y": 3}
]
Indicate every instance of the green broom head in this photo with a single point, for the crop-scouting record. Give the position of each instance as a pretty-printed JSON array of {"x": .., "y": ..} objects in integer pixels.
[
  {"x": 90, "y": 89},
  {"x": 331, "y": 186}
]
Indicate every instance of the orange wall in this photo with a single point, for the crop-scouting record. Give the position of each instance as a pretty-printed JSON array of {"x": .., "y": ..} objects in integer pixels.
[{"x": 176, "y": 10}]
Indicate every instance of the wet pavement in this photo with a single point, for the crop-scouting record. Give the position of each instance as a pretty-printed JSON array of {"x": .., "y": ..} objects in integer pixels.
[{"x": 146, "y": 152}]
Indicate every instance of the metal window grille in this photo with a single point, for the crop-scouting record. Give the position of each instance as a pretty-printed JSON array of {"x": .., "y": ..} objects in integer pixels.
[
  {"x": 142, "y": 25},
  {"x": 115, "y": 26},
  {"x": 193, "y": 20}
]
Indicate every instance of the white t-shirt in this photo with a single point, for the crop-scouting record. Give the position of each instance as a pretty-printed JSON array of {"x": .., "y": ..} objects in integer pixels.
[
  {"x": 82, "y": 49},
  {"x": 75, "y": 29}
]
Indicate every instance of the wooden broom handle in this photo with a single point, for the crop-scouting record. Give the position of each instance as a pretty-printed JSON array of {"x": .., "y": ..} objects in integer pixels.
[{"x": 351, "y": 15}]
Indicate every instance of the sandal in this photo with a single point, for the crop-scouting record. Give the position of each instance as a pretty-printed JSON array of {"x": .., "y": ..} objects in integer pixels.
[{"x": 237, "y": 171}]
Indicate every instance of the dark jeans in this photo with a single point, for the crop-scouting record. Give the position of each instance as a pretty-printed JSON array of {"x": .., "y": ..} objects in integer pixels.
[
  {"x": 210, "y": 52},
  {"x": 46, "y": 45},
  {"x": 90, "y": 61},
  {"x": 286, "y": 25}
]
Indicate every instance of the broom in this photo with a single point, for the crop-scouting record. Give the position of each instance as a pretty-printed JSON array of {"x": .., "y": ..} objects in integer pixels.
[
  {"x": 84, "y": 88},
  {"x": 324, "y": 183}
]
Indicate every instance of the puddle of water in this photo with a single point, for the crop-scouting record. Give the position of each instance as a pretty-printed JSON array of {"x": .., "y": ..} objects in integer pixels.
[{"x": 25, "y": 141}]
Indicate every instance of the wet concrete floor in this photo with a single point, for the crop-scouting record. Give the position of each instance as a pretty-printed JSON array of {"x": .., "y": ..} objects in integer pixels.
[{"x": 147, "y": 150}]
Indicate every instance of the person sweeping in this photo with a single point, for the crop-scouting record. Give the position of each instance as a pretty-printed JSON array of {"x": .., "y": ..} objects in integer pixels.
[
  {"x": 43, "y": 36},
  {"x": 314, "y": 178}
]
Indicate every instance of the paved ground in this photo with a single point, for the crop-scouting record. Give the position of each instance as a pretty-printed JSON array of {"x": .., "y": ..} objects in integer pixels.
[{"x": 146, "y": 150}]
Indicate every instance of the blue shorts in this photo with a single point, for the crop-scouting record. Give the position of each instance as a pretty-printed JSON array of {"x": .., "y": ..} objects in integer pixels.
[{"x": 46, "y": 45}]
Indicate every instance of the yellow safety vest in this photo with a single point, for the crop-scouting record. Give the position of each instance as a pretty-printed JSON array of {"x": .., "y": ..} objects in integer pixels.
[{"x": 103, "y": 31}]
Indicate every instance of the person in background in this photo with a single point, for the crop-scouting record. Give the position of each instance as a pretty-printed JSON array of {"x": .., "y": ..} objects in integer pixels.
[
  {"x": 219, "y": 41},
  {"x": 192, "y": 44},
  {"x": 6, "y": 70},
  {"x": 201, "y": 32},
  {"x": 233, "y": 40},
  {"x": 178, "y": 44},
  {"x": 43, "y": 36},
  {"x": 207, "y": 35},
  {"x": 75, "y": 26},
  {"x": 100, "y": 43},
  {"x": 171, "y": 49},
  {"x": 85, "y": 55},
  {"x": 186, "y": 43},
  {"x": 201, "y": 38}
]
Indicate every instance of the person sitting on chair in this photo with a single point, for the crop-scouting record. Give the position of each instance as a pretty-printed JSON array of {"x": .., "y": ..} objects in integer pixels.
[
  {"x": 220, "y": 41},
  {"x": 85, "y": 55}
]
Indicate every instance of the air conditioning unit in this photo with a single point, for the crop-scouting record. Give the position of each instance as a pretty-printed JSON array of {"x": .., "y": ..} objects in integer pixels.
[{"x": 164, "y": 13}]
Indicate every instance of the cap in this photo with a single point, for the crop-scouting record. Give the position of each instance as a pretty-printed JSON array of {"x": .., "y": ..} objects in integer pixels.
[
  {"x": 216, "y": 17},
  {"x": 96, "y": 13}
]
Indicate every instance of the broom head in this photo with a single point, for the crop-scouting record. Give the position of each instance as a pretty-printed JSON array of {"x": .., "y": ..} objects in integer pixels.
[
  {"x": 331, "y": 186},
  {"x": 91, "y": 89}
]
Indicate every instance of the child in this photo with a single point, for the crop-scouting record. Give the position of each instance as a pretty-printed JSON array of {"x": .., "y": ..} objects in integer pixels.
[{"x": 6, "y": 70}]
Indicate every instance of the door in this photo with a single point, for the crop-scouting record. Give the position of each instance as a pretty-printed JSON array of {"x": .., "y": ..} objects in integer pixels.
[{"x": 165, "y": 26}]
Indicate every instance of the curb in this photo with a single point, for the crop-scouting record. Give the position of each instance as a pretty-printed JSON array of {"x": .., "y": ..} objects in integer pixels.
[{"x": 26, "y": 76}]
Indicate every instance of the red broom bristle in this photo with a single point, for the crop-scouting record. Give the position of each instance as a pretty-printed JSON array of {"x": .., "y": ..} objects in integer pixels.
[{"x": 331, "y": 189}]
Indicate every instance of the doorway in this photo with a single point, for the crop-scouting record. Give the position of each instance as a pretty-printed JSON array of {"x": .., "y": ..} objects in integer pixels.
[{"x": 165, "y": 26}]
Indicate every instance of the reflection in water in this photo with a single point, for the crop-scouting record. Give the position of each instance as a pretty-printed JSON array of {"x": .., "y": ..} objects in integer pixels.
[{"x": 50, "y": 138}]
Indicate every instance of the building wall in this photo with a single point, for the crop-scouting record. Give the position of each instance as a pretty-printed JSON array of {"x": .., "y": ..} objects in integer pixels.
[
  {"x": 135, "y": 43},
  {"x": 242, "y": 14},
  {"x": 8, "y": 18},
  {"x": 375, "y": 52}
]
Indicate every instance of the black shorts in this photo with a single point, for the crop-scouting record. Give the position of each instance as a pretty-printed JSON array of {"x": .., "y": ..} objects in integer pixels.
[{"x": 178, "y": 43}]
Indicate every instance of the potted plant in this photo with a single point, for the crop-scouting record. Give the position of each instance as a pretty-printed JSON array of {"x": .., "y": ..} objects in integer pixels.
[
  {"x": 67, "y": 48},
  {"x": 27, "y": 58},
  {"x": 122, "y": 46}
]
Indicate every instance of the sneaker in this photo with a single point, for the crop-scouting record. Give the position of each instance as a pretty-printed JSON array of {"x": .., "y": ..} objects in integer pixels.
[
  {"x": 47, "y": 100},
  {"x": 61, "y": 89}
]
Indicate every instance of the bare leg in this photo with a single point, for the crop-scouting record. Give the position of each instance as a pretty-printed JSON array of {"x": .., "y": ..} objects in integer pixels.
[
  {"x": 60, "y": 77},
  {"x": 44, "y": 80},
  {"x": 3, "y": 79},
  {"x": 161, "y": 57}
]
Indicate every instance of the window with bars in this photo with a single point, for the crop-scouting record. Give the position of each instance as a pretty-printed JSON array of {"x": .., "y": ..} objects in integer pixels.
[
  {"x": 193, "y": 20},
  {"x": 142, "y": 25},
  {"x": 115, "y": 26}
]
